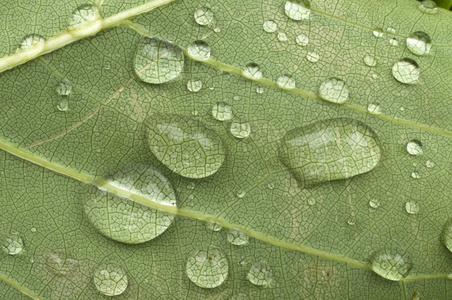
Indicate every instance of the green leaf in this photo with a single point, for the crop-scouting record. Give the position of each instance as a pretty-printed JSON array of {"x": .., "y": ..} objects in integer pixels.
[{"x": 313, "y": 242}]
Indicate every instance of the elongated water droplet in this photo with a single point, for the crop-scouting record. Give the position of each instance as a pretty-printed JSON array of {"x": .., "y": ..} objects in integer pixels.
[
  {"x": 124, "y": 220},
  {"x": 374, "y": 109},
  {"x": 378, "y": 32},
  {"x": 186, "y": 146},
  {"x": 207, "y": 267},
  {"x": 32, "y": 40},
  {"x": 199, "y": 50},
  {"x": 428, "y": 7},
  {"x": 406, "y": 71},
  {"x": 429, "y": 164},
  {"x": 252, "y": 71},
  {"x": 63, "y": 105},
  {"x": 203, "y": 16},
  {"x": 419, "y": 43},
  {"x": 12, "y": 244},
  {"x": 110, "y": 279},
  {"x": 302, "y": 40},
  {"x": 222, "y": 111},
  {"x": 393, "y": 42},
  {"x": 412, "y": 207},
  {"x": 330, "y": 150},
  {"x": 313, "y": 57},
  {"x": 260, "y": 90},
  {"x": 391, "y": 263},
  {"x": 334, "y": 90},
  {"x": 260, "y": 274},
  {"x": 59, "y": 263},
  {"x": 64, "y": 88},
  {"x": 270, "y": 26},
  {"x": 240, "y": 128},
  {"x": 282, "y": 37},
  {"x": 297, "y": 9},
  {"x": 237, "y": 237},
  {"x": 370, "y": 61},
  {"x": 214, "y": 226},
  {"x": 446, "y": 235},
  {"x": 286, "y": 81},
  {"x": 194, "y": 85},
  {"x": 374, "y": 203},
  {"x": 414, "y": 147},
  {"x": 158, "y": 61},
  {"x": 82, "y": 15}
]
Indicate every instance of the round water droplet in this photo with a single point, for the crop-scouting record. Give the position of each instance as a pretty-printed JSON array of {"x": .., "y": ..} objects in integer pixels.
[
  {"x": 428, "y": 7},
  {"x": 158, "y": 61},
  {"x": 194, "y": 85},
  {"x": 238, "y": 238},
  {"x": 60, "y": 264},
  {"x": 64, "y": 88},
  {"x": 412, "y": 207},
  {"x": 203, "y": 16},
  {"x": 83, "y": 14},
  {"x": 260, "y": 90},
  {"x": 302, "y": 40},
  {"x": 241, "y": 193},
  {"x": 406, "y": 71},
  {"x": 374, "y": 109},
  {"x": 446, "y": 235},
  {"x": 374, "y": 203},
  {"x": 222, "y": 111},
  {"x": 313, "y": 57},
  {"x": 110, "y": 279},
  {"x": 297, "y": 9},
  {"x": 330, "y": 150},
  {"x": 311, "y": 201},
  {"x": 207, "y": 267},
  {"x": 286, "y": 81},
  {"x": 270, "y": 26},
  {"x": 351, "y": 221},
  {"x": 63, "y": 105},
  {"x": 199, "y": 50},
  {"x": 252, "y": 71},
  {"x": 260, "y": 274},
  {"x": 282, "y": 37},
  {"x": 429, "y": 164},
  {"x": 391, "y": 263},
  {"x": 415, "y": 175},
  {"x": 31, "y": 40},
  {"x": 12, "y": 244},
  {"x": 378, "y": 32},
  {"x": 128, "y": 222},
  {"x": 419, "y": 43},
  {"x": 186, "y": 146},
  {"x": 414, "y": 147},
  {"x": 214, "y": 226},
  {"x": 240, "y": 128},
  {"x": 370, "y": 61},
  {"x": 393, "y": 42},
  {"x": 33, "y": 230},
  {"x": 334, "y": 90},
  {"x": 391, "y": 30}
]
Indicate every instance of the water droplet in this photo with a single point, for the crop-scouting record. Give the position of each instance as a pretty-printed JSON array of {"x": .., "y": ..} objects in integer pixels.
[
  {"x": 110, "y": 279},
  {"x": 302, "y": 40},
  {"x": 391, "y": 263},
  {"x": 241, "y": 193},
  {"x": 122, "y": 219},
  {"x": 236, "y": 98},
  {"x": 313, "y": 57},
  {"x": 207, "y": 267},
  {"x": 83, "y": 14},
  {"x": 414, "y": 147},
  {"x": 351, "y": 221},
  {"x": 63, "y": 105},
  {"x": 203, "y": 16},
  {"x": 374, "y": 203},
  {"x": 311, "y": 201},
  {"x": 32, "y": 40},
  {"x": 186, "y": 146},
  {"x": 374, "y": 109},
  {"x": 237, "y": 237},
  {"x": 334, "y": 90},
  {"x": 270, "y": 26},
  {"x": 271, "y": 185},
  {"x": 419, "y": 43},
  {"x": 446, "y": 235},
  {"x": 12, "y": 244},
  {"x": 391, "y": 30},
  {"x": 297, "y": 9},
  {"x": 217, "y": 30},
  {"x": 240, "y": 128},
  {"x": 33, "y": 230},
  {"x": 158, "y": 61},
  {"x": 260, "y": 274},
  {"x": 214, "y": 226},
  {"x": 378, "y": 32},
  {"x": 260, "y": 90},
  {"x": 406, "y": 71},
  {"x": 428, "y": 7},
  {"x": 393, "y": 42},
  {"x": 60, "y": 264},
  {"x": 252, "y": 71},
  {"x": 194, "y": 85},
  {"x": 415, "y": 175},
  {"x": 286, "y": 81},
  {"x": 282, "y": 37},
  {"x": 412, "y": 207},
  {"x": 370, "y": 61},
  {"x": 330, "y": 150},
  {"x": 64, "y": 88},
  {"x": 222, "y": 111},
  {"x": 429, "y": 164}
]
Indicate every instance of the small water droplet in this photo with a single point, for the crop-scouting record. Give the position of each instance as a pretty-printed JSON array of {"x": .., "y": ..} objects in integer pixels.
[
  {"x": 370, "y": 61},
  {"x": 12, "y": 244},
  {"x": 194, "y": 85},
  {"x": 351, "y": 221},
  {"x": 282, "y": 37},
  {"x": 217, "y": 30},
  {"x": 260, "y": 90},
  {"x": 59, "y": 263},
  {"x": 412, "y": 207},
  {"x": 199, "y": 50},
  {"x": 63, "y": 105},
  {"x": 391, "y": 263},
  {"x": 414, "y": 147},
  {"x": 393, "y": 42},
  {"x": 406, "y": 71},
  {"x": 252, "y": 71},
  {"x": 286, "y": 81},
  {"x": 302, "y": 40},
  {"x": 374, "y": 76},
  {"x": 237, "y": 237},
  {"x": 110, "y": 279},
  {"x": 334, "y": 90},
  {"x": 222, "y": 111},
  {"x": 207, "y": 267},
  {"x": 428, "y": 7},
  {"x": 419, "y": 43},
  {"x": 415, "y": 175},
  {"x": 311, "y": 201},
  {"x": 271, "y": 185},
  {"x": 374, "y": 203},
  {"x": 241, "y": 193},
  {"x": 83, "y": 14},
  {"x": 313, "y": 57},
  {"x": 32, "y": 40},
  {"x": 203, "y": 16},
  {"x": 236, "y": 98},
  {"x": 297, "y": 9},
  {"x": 378, "y": 32},
  {"x": 260, "y": 274},
  {"x": 214, "y": 226},
  {"x": 270, "y": 26},
  {"x": 374, "y": 109},
  {"x": 240, "y": 128},
  {"x": 446, "y": 235},
  {"x": 429, "y": 164},
  {"x": 391, "y": 30},
  {"x": 33, "y": 229}
]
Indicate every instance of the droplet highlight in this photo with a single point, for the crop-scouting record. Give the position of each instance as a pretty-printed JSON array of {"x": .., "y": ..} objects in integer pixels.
[
  {"x": 64, "y": 88},
  {"x": 240, "y": 128},
  {"x": 374, "y": 203},
  {"x": 378, "y": 32},
  {"x": 82, "y": 15},
  {"x": 286, "y": 82},
  {"x": 374, "y": 109},
  {"x": 199, "y": 50},
  {"x": 270, "y": 26},
  {"x": 282, "y": 37},
  {"x": 428, "y": 7},
  {"x": 419, "y": 43},
  {"x": 391, "y": 263},
  {"x": 412, "y": 207},
  {"x": 297, "y": 9},
  {"x": 214, "y": 226},
  {"x": 222, "y": 111},
  {"x": 12, "y": 244},
  {"x": 203, "y": 16},
  {"x": 370, "y": 61},
  {"x": 260, "y": 90},
  {"x": 110, "y": 280},
  {"x": 393, "y": 42},
  {"x": 312, "y": 57},
  {"x": 237, "y": 237},
  {"x": 414, "y": 147},
  {"x": 260, "y": 274},
  {"x": 252, "y": 71},
  {"x": 63, "y": 105},
  {"x": 194, "y": 85},
  {"x": 32, "y": 40},
  {"x": 334, "y": 90},
  {"x": 406, "y": 71},
  {"x": 302, "y": 40},
  {"x": 207, "y": 267}
]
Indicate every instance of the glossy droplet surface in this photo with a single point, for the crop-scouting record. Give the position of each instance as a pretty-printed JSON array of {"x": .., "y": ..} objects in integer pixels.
[
  {"x": 110, "y": 279},
  {"x": 419, "y": 43},
  {"x": 297, "y": 9},
  {"x": 12, "y": 244},
  {"x": 237, "y": 237},
  {"x": 330, "y": 150},
  {"x": 428, "y": 7},
  {"x": 302, "y": 40},
  {"x": 207, "y": 267},
  {"x": 214, "y": 226},
  {"x": 414, "y": 147},
  {"x": 83, "y": 14},
  {"x": 186, "y": 146},
  {"x": 393, "y": 42},
  {"x": 64, "y": 88},
  {"x": 406, "y": 71},
  {"x": 260, "y": 90},
  {"x": 378, "y": 32},
  {"x": 31, "y": 40},
  {"x": 412, "y": 207},
  {"x": 158, "y": 61},
  {"x": 194, "y": 85},
  {"x": 270, "y": 26},
  {"x": 391, "y": 30},
  {"x": 351, "y": 221},
  {"x": 240, "y": 128},
  {"x": 415, "y": 175},
  {"x": 252, "y": 71},
  {"x": 374, "y": 203},
  {"x": 59, "y": 263},
  {"x": 391, "y": 263},
  {"x": 429, "y": 164},
  {"x": 199, "y": 50},
  {"x": 286, "y": 81},
  {"x": 370, "y": 61},
  {"x": 203, "y": 16},
  {"x": 446, "y": 235},
  {"x": 374, "y": 109},
  {"x": 63, "y": 105},
  {"x": 126, "y": 221},
  {"x": 313, "y": 57},
  {"x": 282, "y": 37},
  {"x": 334, "y": 90},
  {"x": 260, "y": 274},
  {"x": 222, "y": 111}
]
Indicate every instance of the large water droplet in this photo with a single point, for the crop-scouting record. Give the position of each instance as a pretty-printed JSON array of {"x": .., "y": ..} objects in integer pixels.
[
  {"x": 282, "y": 37},
  {"x": 334, "y": 90},
  {"x": 419, "y": 43},
  {"x": 240, "y": 128},
  {"x": 428, "y": 7},
  {"x": 83, "y": 14},
  {"x": 312, "y": 57},
  {"x": 252, "y": 71},
  {"x": 124, "y": 220},
  {"x": 297, "y": 9},
  {"x": 60, "y": 264},
  {"x": 370, "y": 61},
  {"x": 222, "y": 111},
  {"x": 203, "y": 16},
  {"x": 214, "y": 226},
  {"x": 237, "y": 237},
  {"x": 302, "y": 40},
  {"x": 378, "y": 32},
  {"x": 330, "y": 150},
  {"x": 286, "y": 81},
  {"x": 110, "y": 279},
  {"x": 186, "y": 146},
  {"x": 158, "y": 61},
  {"x": 199, "y": 50},
  {"x": 12, "y": 244},
  {"x": 32, "y": 40},
  {"x": 270, "y": 26},
  {"x": 194, "y": 85},
  {"x": 374, "y": 109},
  {"x": 391, "y": 263},
  {"x": 446, "y": 235},
  {"x": 64, "y": 88},
  {"x": 406, "y": 71},
  {"x": 207, "y": 267},
  {"x": 412, "y": 207},
  {"x": 414, "y": 147},
  {"x": 260, "y": 274}
]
